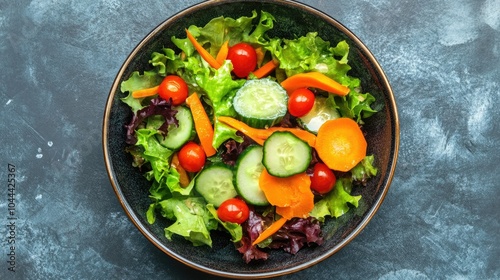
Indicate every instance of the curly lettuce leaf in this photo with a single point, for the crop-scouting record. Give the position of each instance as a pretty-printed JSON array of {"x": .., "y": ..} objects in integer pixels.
[
  {"x": 191, "y": 219},
  {"x": 365, "y": 169},
  {"x": 222, "y": 29},
  {"x": 355, "y": 105},
  {"x": 336, "y": 203},
  {"x": 138, "y": 81}
]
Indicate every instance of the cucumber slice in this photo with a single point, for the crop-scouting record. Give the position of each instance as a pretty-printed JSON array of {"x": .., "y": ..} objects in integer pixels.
[
  {"x": 248, "y": 169},
  {"x": 177, "y": 136},
  {"x": 215, "y": 184},
  {"x": 285, "y": 154},
  {"x": 321, "y": 112},
  {"x": 261, "y": 103}
]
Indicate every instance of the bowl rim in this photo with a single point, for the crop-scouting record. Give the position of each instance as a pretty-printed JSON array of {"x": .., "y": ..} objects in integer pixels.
[{"x": 356, "y": 231}]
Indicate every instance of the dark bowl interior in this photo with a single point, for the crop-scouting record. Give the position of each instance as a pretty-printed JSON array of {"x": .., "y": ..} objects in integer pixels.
[{"x": 292, "y": 19}]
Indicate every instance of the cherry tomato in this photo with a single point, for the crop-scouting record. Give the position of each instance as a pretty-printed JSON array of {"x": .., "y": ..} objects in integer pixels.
[
  {"x": 323, "y": 179},
  {"x": 173, "y": 87},
  {"x": 192, "y": 157},
  {"x": 300, "y": 102},
  {"x": 244, "y": 59},
  {"x": 233, "y": 210}
]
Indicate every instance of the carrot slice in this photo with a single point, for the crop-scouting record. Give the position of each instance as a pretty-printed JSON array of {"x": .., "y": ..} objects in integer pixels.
[
  {"x": 183, "y": 177},
  {"x": 341, "y": 144},
  {"x": 272, "y": 229},
  {"x": 314, "y": 80},
  {"x": 203, "y": 53},
  {"x": 222, "y": 54},
  {"x": 202, "y": 124},
  {"x": 249, "y": 131},
  {"x": 141, "y": 93},
  {"x": 265, "y": 69}
]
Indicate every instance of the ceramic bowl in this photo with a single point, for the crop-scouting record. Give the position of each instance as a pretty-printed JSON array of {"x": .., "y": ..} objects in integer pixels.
[{"x": 292, "y": 19}]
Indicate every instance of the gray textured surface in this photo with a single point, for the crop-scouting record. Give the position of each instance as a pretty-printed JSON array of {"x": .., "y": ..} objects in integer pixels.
[{"x": 441, "y": 218}]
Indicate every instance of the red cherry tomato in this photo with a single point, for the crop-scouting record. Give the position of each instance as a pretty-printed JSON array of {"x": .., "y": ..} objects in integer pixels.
[
  {"x": 233, "y": 210},
  {"x": 300, "y": 102},
  {"x": 192, "y": 157},
  {"x": 323, "y": 179},
  {"x": 173, "y": 87},
  {"x": 244, "y": 59}
]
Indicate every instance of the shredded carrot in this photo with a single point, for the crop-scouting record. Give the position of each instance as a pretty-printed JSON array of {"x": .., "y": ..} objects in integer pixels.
[
  {"x": 222, "y": 54},
  {"x": 183, "y": 177},
  {"x": 265, "y": 69},
  {"x": 268, "y": 232},
  {"x": 314, "y": 80},
  {"x": 341, "y": 144},
  {"x": 141, "y": 93},
  {"x": 203, "y": 53},
  {"x": 260, "y": 135},
  {"x": 202, "y": 124}
]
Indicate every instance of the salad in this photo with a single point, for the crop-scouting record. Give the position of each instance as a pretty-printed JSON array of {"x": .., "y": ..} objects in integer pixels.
[{"x": 256, "y": 136}]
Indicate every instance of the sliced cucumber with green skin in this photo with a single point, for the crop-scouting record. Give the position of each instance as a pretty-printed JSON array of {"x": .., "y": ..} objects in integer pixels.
[
  {"x": 321, "y": 112},
  {"x": 215, "y": 184},
  {"x": 248, "y": 169},
  {"x": 285, "y": 154},
  {"x": 261, "y": 103},
  {"x": 177, "y": 136}
]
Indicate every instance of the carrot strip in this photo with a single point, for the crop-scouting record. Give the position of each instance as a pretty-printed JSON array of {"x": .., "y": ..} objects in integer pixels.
[
  {"x": 272, "y": 229},
  {"x": 260, "y": 135},
  {"x": 202, "y": 124},
  {"x": 183, "y": 177},
  {"x": 222, "y": 54},
  {"x": 341, "y": 144},
  {"x": 141, "y": 93},
  {"x": 315, "y": 80},
  {"x": 265, "y": 69},
  {"x": 249, "y": 131},
  {"x": 203, "y": 53}
]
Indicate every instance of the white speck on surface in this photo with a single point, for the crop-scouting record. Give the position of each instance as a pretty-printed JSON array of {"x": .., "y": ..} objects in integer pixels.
[
  {"x": 39, "y": 155},
  {"x": 50, "y": 143},
  {"x": 38, "y": 197},
  {"x": 8, "y": 102}
]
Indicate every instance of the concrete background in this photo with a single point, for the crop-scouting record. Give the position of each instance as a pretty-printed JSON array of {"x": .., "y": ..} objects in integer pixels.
[{"x": 440, "y": 219}]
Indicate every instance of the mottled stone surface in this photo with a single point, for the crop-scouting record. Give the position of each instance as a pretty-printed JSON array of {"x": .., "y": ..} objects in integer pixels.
[{"x": 441, "y": 218}]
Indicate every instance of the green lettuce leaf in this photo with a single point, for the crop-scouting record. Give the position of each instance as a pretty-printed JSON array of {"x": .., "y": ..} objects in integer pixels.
[
  {"x": 138, "y": 81},
  {"x": 355, "y": 105},
  {"x": 364, "y": 170},
  {"x": 336, "y": 203},
  {"x": 222, "y": 29},
  {"x": 192, "y": 219}
]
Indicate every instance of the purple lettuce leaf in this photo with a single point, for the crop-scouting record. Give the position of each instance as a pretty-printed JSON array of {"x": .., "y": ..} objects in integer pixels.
[{"x": 157, "y": 106}]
